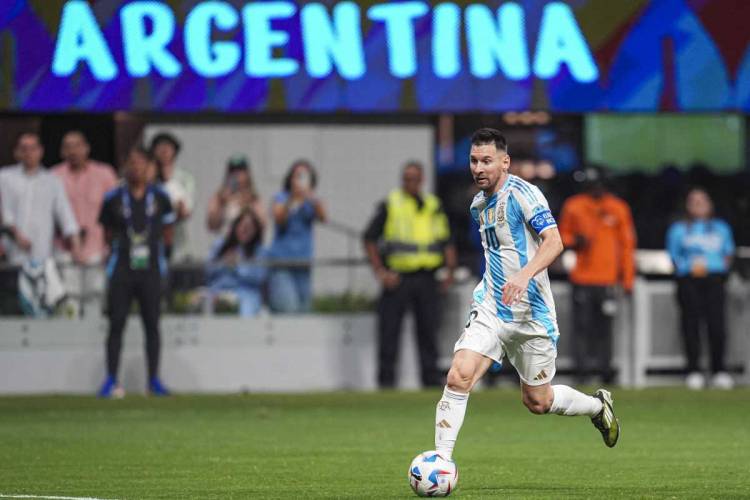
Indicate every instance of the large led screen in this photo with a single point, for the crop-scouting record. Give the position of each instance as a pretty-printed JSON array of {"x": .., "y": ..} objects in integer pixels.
[{"x": 374, "y": 56}]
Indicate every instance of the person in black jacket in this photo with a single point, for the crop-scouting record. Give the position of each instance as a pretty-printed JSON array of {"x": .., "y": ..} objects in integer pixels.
[{"x": 137, "y": 218}]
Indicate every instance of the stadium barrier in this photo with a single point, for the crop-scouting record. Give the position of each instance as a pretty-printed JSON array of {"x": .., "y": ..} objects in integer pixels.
[{"x": 323, "y": 352}]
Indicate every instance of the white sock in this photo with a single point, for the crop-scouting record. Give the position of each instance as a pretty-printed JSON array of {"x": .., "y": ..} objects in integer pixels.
[
  {"x": 570, "y": 402},
  {"x": 449, "y": 417}
]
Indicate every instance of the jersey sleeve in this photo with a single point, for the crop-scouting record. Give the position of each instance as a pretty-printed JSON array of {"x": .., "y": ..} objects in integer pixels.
[{"x": 535, "y": 208}]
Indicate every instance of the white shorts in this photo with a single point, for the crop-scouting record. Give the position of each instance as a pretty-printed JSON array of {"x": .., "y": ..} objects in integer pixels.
[{"x": 526, "y": 344}]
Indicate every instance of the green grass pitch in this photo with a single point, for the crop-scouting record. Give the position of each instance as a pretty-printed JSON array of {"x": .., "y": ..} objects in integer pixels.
[{"x": 675, "y": 444}]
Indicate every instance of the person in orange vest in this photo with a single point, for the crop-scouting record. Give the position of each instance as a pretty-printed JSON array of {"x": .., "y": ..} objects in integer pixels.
[{"x": 598, "y": 226}]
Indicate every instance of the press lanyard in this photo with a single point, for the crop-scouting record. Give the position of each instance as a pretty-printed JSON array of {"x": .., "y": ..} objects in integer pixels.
[{"x": 127, "y": 211}]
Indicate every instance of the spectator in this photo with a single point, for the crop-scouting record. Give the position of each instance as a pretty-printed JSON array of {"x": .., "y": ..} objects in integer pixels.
[
  {"x": 599, "y": 227},
  {"x": 236, "y": 195},
  {"x": 86, "y": 182},
  {"x": 295, "y": 209},
  {"x": 412, "y": 231},
  {"x": 137, "y": 219},
  {"x": 230, "y": 263},
  {"x": 179, "y": 186},
  {"x": 701, "y": 247},
  {"x": 33, "y": 202}
]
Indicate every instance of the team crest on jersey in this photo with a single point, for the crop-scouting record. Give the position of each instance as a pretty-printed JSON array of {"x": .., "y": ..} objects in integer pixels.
[{"x": 501, "y": 213}]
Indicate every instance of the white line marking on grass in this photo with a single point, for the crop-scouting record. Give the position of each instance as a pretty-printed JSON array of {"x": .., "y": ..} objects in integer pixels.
[{"x": 51, "y": 497}]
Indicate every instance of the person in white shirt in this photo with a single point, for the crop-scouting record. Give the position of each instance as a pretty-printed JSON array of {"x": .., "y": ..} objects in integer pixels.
[
  {"x": 33, "y": 202},
  {"x": 179, "y": 186}
]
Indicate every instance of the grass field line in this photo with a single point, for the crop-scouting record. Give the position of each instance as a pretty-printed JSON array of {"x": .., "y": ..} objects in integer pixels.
[{"x": 2, "y": 495}]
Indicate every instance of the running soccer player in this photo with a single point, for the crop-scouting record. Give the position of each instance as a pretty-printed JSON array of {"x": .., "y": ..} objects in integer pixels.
[{"x": 512, "y": 313}]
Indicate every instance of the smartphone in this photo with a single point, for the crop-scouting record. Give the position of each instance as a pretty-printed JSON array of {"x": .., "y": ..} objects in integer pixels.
[{"x": 233, "y": 184}]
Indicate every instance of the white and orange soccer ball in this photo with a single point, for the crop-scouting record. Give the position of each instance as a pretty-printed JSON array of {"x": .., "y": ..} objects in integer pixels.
[{"x": 432, "y": 475}]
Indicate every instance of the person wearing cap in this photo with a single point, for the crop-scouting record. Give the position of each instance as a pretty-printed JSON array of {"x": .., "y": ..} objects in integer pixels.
[
  {"x": 236, "y": 195},
  {"x": 598, "y": 226},
  {"x": 179, "y": 185}
]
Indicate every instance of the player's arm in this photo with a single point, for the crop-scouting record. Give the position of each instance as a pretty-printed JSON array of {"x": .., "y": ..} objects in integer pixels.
[{"x": 548, "y": 251}]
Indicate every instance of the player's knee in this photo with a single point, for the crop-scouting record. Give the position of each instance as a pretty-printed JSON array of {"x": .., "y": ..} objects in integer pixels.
[
  {"x": 460, "y": 377},
  {"x": 536, "y": 405}
]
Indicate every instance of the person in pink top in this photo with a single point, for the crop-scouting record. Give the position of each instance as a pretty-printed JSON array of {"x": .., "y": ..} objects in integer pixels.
[{"x": 86, "y": 182}]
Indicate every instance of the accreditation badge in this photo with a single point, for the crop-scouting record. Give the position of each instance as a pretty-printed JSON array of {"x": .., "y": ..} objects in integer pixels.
[{"x": 139, "y": 251}]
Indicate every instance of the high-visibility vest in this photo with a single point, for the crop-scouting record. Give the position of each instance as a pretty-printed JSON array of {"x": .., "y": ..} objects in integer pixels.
[{"x": 413, "y": 237}]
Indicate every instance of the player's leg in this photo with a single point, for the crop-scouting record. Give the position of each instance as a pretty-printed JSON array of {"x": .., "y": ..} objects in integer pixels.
[
  {"x": 466, "y": 369},
  {"x": 534, "y": 359},
  {"x": 533, "y": 355},
  {"x": 564, "y": 400}
]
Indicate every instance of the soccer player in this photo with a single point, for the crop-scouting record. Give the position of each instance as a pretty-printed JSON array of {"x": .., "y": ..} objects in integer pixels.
[{"x": 513, "y": 313}]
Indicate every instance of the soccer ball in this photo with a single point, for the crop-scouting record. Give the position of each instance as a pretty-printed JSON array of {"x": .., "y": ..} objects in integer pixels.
[{"x": 432, "y": 475}]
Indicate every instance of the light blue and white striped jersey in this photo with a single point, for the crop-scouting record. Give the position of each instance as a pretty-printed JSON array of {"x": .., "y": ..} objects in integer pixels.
[{"x": 510, "y": 222}]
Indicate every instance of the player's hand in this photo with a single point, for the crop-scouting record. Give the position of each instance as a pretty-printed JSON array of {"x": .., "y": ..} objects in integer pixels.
[{"x": 515, "y": 288}]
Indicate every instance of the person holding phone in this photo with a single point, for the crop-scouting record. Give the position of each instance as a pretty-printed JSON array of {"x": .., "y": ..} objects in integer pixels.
[
  {"x": 295, "y": 209},
  {"x": 236, "y": 195}
]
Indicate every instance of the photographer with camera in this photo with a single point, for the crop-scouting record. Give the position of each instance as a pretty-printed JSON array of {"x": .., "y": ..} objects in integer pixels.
[
  {"x": 236, "y": 195},
  {"x": 295, "y": 209}
]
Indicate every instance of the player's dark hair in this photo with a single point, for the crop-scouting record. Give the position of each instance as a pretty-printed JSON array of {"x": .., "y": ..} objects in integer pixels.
[
  {"x": 287, "y": 185},
  {"x": 489, "y": 136}
]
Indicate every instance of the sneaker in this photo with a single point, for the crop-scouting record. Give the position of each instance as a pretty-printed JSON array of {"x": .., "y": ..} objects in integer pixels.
[
  {"x": 156, "y": 388},
  {"x": 605, "y": 420},
  {"x": 722, "y": 380},
  {"x": 110, "y": 389},
  {"x": 695, "y": 381}
]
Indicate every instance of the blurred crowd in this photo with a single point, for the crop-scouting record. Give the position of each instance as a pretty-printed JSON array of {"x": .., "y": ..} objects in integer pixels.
[
  {"x": 79, "y": 212},
  {"x": 52, "y": 216}
]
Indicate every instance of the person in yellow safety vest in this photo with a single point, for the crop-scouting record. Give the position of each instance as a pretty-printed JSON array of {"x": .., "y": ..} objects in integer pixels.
[{"x": 406, "y": 242}]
